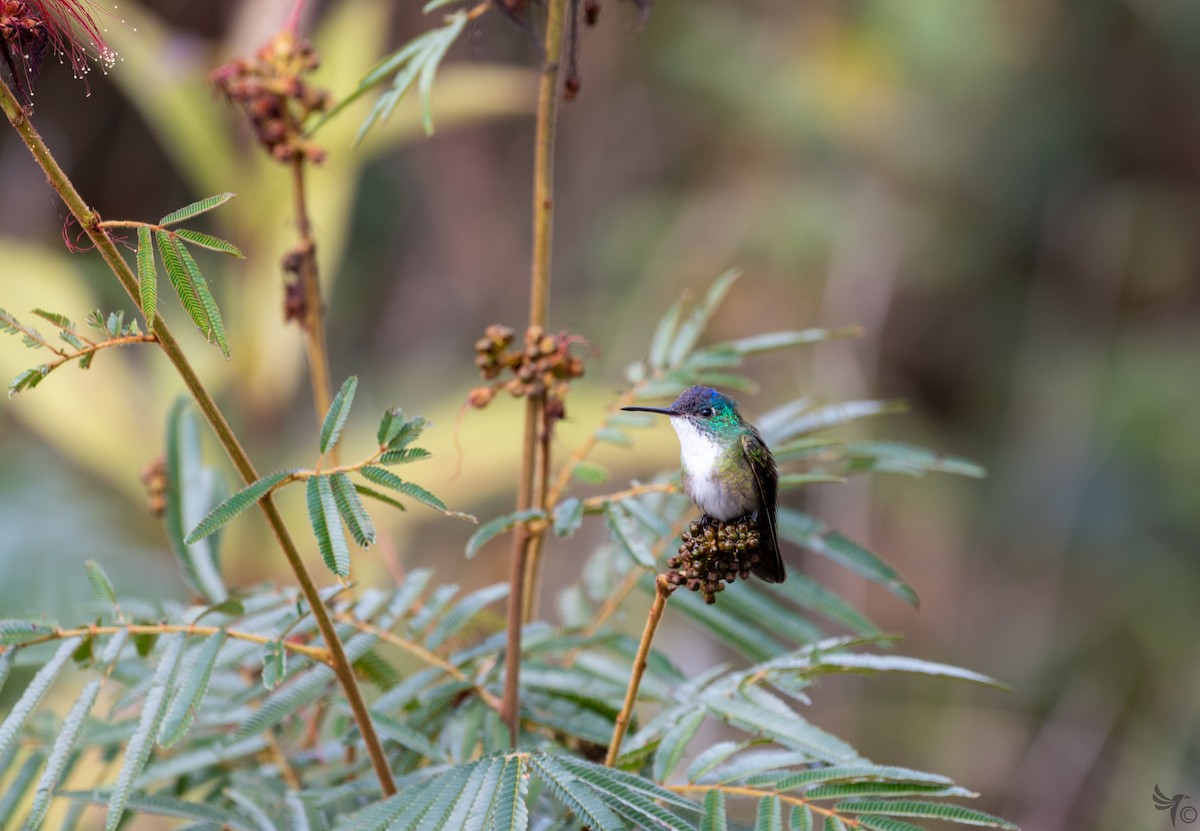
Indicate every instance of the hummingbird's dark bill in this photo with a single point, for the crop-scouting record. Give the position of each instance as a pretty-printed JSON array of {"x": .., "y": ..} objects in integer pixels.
[{"x": 660, "y": 410}]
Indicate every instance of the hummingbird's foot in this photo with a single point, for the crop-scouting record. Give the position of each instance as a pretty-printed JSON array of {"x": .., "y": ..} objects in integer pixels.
[{"x": 713, "y": 553}]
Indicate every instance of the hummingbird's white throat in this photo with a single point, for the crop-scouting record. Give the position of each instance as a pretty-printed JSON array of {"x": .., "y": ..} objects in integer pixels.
[{"x": 699, "y": 453}]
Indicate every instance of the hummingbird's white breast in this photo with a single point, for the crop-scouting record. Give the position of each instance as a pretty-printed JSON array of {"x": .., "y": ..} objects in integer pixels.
[{"x": 700, "y": 454}]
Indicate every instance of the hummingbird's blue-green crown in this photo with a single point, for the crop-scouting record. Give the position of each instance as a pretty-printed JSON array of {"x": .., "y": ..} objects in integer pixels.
[{"x": 707, "y": 408}]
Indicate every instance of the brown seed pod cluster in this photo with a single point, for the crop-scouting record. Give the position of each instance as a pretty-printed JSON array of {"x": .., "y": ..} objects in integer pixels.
[
  {"x": 544, "y": 363},
  {"x": 713, "y": 553},
  {"x": 271, "y": 89}
]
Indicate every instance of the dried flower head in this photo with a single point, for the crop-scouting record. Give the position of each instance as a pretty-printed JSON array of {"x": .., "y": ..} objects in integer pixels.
[
  {"x": 67, "y": 27},
  {"x": 713, "y": 553},
  {"x": 273, "y": 92}
]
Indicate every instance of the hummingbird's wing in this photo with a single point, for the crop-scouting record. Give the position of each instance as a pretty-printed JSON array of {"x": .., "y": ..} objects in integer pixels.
[{"x": 766, "y": 483}]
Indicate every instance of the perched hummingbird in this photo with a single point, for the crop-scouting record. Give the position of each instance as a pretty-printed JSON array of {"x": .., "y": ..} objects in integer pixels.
[{"x": 727, "y": 469}]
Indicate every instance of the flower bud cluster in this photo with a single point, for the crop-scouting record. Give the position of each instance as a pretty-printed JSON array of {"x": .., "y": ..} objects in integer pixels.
[
  {"x": 713, "y": 553},
  {"x": 271, "y": 89},
  {"x": 543, "y": 364}
]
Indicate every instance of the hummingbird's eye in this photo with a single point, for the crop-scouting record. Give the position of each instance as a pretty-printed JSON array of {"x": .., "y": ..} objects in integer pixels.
[{"x": 707, "y": 412}]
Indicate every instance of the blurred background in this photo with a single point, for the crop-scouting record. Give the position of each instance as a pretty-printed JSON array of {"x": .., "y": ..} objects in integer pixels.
[{"x": 1005, "y": 195}]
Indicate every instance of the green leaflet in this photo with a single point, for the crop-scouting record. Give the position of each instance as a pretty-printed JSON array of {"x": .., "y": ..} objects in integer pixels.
[
  {"x": 215, "y": 329},
  {"x": 463, "y": 611},
  {"x": 196, "y": 208},
  {"x": 495, "y": 527},
  {"x": 192, "y": 490},
  {"x": 181, "y": 281},
  {"x": 675, "y": 742},
  {"x": 274, "y": 664},
  {"x": 770, "y": 815},
  {"x": 568, "y": 516},
  {"x": 510, "y": 812},
  {"x": 576, "y": 796},
  {"x": 18, "y": 631},
  {"x": 235, "y": 504},
  {"x": 714, "y": 818},
  {"x": 137, "y": 752},
  {"x": 190, "y": 693},
  {"x": 339, "y": 410},
  {"x": 351, "y": 510},
  {"x": 102, "y": 587},
  {"x": 64, "y": 742},
  {"x": 327, "y": 525},
  {"x": 10, "y": 728},
  {"x": 387, "y": 479},
  {"x": 210, "y": 242},
  {"x": 927, "y": 810},
  {"x": 147, "y": 277},
  {"x": 167, "y": 806},
  {"x": 809, "y": 533},
  {"x": 16, "y": 787}
]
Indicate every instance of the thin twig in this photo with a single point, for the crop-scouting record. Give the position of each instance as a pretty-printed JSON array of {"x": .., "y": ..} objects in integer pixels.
[
  {"x": 316, "y": 653},
  {"x": 89, "y": 220},
  {"x": 662, "y": 590}
]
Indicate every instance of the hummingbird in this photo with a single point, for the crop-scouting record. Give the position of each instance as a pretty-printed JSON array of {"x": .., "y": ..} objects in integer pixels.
[{"x": 728, "y": 471}]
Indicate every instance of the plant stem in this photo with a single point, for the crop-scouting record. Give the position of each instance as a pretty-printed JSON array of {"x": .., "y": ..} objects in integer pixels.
[
  {"x": 539, "y": 307},
  {"x": 89, "y": 220},
  {"x": 315, "y": 653},
  {"x": 310, "y": 284},
  {"x": 662, "y": 590}
]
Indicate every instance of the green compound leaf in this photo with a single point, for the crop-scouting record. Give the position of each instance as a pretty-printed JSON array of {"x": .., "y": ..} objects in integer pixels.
[
  {"x": 147, "y": 277},
  {"x": 327, "y": 525},
  {"x": 339, "y": 410},
  {"x": 235, "y": 504},
  {"x": 210, "y": 242},
  {"x": 196, "y": 208}
]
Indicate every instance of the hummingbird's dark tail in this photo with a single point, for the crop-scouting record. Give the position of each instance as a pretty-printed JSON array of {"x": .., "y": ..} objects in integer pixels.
[{"x": 770, "y": 563}]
